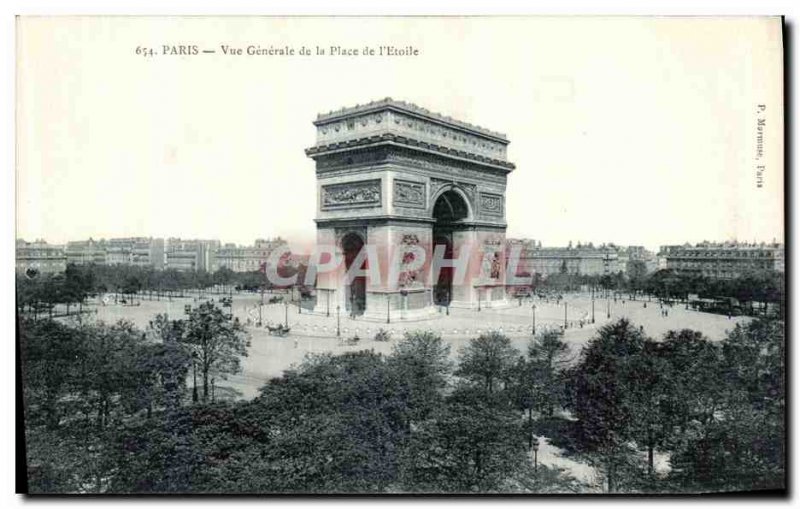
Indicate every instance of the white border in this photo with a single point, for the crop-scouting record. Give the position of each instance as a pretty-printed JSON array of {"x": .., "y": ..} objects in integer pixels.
[{"x": 791, "y": 9}]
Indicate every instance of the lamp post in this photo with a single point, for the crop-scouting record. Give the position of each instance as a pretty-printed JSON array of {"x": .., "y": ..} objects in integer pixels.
[
  {"x": 388, "y": 307},
  {"x": 592, "y": 307},
  {"x": 327, "y": 302},
  {"x": 533, "y": 313},
  {"x": 565, "y": 314},
  {"x": 479, "y": 300},
  {"x": 338, "y": 330},
  {"x": 286, "y": 314},
  {"x": 535, "y": 454},
  {"x": 608, "y": 308}
]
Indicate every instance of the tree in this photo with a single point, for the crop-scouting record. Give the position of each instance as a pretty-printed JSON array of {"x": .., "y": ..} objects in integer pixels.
[
  {"x": 548, "y": 356},
  {"x": 81, "y": 384},
  {"x": 648, "y": 392},
  {"x": 468, "y": 445},
  {"x": 693, "y": 383},
  {"x": 217, "y": 342},
  {"x": 336, "y": 424},
  {"x": 421, "y": 363},
  {"x": 741, "y": 445},
  {"x": 487, "y": 361},
  {"x": 601, "y": 391},
  {"x": 224, "y": 276},
  {"x": 48, "y": 351}
]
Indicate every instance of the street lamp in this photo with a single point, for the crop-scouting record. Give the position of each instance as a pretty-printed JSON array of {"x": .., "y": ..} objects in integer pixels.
[
  {"x": 608, "y": 308},
  {"x": 286, "y": 313},
  {"x": 533, "y": 325},
  {"x": 565, "y": 314},
  {"x": 299, "y": 299},
  {"x": 535, "y": 454},
  {"x": 338, "y": 330},
  {"x": 327, "y": 302},
  {"x": 388, "y": 307}
]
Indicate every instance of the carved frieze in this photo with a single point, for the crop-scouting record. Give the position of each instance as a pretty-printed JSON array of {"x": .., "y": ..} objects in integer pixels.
[
  {"x": 409, "y": 194},
  {"x": 364, "y": 193},
  {"x": 426, "y": 130}
]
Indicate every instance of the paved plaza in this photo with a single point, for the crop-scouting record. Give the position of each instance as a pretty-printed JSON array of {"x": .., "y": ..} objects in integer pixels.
[{"x": 270, "y": 355}]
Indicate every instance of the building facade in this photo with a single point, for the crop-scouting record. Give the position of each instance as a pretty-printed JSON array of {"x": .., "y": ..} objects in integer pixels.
[
  {"x": 246, "y": 258},
  {"x": 582, "y": 259},
  {"x": 39, "y": 257},
  {"x": 397, "y": 177},
  {"x": 174, "y": 253},
  {"x": 137, "y": 251},
  {"x": 723, "y": 260},
  {"x": 86, "y": 251},
  {"x": 189, "y": 255}
]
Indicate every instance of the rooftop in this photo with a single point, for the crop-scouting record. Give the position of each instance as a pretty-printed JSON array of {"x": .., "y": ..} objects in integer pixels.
[{"x": 406, "y": 107}]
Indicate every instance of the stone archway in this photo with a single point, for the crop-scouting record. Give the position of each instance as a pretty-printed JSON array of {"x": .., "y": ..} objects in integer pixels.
[
  {"x": 355, "y": 290},
  {"x": 450, "y": 209}
]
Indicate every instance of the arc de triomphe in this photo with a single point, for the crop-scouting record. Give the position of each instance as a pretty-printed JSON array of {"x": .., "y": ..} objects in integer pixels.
[{"x": 391, "y": 174}]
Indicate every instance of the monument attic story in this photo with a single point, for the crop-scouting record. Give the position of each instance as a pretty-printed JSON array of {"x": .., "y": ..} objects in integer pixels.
[{"x": 392, "y": 122}]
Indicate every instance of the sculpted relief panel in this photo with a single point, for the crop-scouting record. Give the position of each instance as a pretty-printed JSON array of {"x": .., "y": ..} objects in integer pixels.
[
  {"x": 364, "y": 193},
  {"x": 409, "y": 194}
]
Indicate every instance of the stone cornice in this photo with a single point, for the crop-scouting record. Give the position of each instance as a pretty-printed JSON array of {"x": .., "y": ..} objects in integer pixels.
[
  {"x": 410, "y": 109},
  {"x": 393, "y": 139}
]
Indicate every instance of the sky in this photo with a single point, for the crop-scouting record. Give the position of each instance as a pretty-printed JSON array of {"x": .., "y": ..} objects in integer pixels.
[{"x": 637, "y": 131}]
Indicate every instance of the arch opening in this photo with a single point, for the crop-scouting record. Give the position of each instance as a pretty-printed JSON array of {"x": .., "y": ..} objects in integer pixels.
[
  {"x": 355, "y": 290},
  {"x": 449, "y": 210}
]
